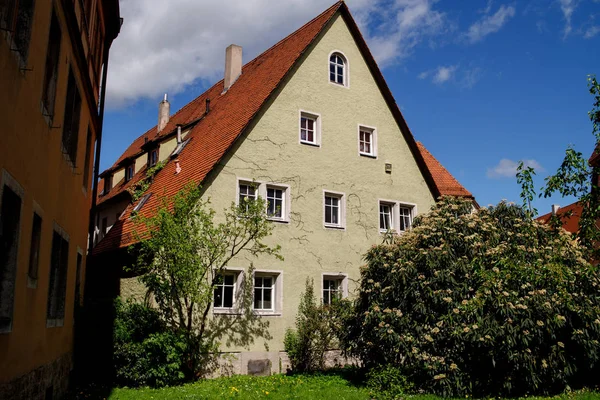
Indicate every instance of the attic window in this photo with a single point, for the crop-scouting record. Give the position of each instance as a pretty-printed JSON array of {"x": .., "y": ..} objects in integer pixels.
[
  {"x": 129, "y": 172},
  {"x": 153, "y": 157},
  {"x": 141, "y": 203},
  {"x": 179, "y": 147},
  {"x": 338, "y": 69},
  {"x": 107, "y": 184}
]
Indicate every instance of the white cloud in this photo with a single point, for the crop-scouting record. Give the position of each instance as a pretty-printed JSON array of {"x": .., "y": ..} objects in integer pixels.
[
  {"x": 444, "y": 74},
  {"x": 567, "y": 7},
  {"x": 507, "y": 168},
  {"x": 591, "y": 32},
  {"x": 489, "y": 24},
  {"x": 167, "y": 46}
]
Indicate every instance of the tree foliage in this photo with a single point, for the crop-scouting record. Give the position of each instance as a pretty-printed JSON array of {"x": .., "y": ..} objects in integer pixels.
[
  {"x": 485, "y": 303},
  {"x": 182, "y": 258},
  {"x": 575, "y": 177},
  {"x": 306, "y": 346}
]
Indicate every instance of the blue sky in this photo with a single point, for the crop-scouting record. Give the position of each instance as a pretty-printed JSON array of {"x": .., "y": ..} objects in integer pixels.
[{"x": 482, "y": 84}]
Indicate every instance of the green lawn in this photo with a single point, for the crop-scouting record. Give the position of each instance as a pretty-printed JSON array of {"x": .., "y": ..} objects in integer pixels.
[{"x": 332, "y": 386}]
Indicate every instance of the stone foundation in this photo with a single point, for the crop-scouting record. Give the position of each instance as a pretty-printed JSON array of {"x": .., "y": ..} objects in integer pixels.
[
  {"x": 262, "y": 363},
  {"x": 50, "y": 381}
]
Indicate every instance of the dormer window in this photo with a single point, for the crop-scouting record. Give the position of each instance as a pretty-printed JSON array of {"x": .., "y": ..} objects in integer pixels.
[
  {"x": 107, "y": 184},
  {"x": 338, "y": 69},
  {"x": 129, "y": 172},
  {"x": 153, "y": 157}
]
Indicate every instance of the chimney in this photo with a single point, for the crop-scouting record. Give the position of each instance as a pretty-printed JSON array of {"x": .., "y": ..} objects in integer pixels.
[
  {"x": 207, "y": 106},
  {"x": 233, "y": 65},
  {"x": 164, "y": 112},
  {"x": 555, "y": 208},
  {"x": 179, "y": 134}
]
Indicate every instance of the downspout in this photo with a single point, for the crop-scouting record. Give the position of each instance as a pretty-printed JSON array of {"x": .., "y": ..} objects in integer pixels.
[{"x": 98, "y": 147}]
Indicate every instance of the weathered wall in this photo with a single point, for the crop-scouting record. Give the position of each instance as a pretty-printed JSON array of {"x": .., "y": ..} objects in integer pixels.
[
  {"x": 272, "y": 153},
  {"x": 31, "y": 152}
]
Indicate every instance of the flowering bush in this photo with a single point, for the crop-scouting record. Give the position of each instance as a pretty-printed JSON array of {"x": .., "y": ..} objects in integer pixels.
[{"x": 479, "y": 303}]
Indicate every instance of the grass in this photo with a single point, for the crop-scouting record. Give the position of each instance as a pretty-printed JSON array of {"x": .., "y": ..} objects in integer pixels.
[{"x": 330, "y": 386}]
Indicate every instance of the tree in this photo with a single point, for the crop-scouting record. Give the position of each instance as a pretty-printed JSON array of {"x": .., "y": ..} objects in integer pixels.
[
  {"x": 182, "y": 258},
  {"x": 482, "y": 303},
  {"x": 575, "y": 177}
]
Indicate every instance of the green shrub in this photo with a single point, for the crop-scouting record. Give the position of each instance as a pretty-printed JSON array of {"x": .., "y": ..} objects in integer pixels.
[
  {"x": 387, "y": 381},
  {"x": 145, "y": 352},
  {"x": 314, "y": 335},
  {"x": 486, "y": 303}
]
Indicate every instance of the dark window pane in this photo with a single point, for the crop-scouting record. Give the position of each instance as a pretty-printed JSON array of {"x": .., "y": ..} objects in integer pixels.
[
  {"x": 257, "y": 298},
  {"x": 228, "y": 297},
  {"x": 23, "y": 26},
  {"x": 10, "y": 219},
  {"x": 70, "y": 133},
  {"x": 332, "y": 77},
  {"x": 218, "y": 298},
  {"x": 267, "y": 303},
  {"x": 257, "y": 282},
  {"x": 267, "y": 282},
  {"x": 51, "y": 69},
  {"x": 34, "y": 251},
  {"x": 229, "y": 279},
  {"x": 57, "y": 285}
]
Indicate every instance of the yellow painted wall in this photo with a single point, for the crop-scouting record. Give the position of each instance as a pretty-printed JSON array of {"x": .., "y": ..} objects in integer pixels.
[
  {"x": 30, "y": 151},
  {"x": 166, "y": 148},
  {"x": 308, "y": 247}
]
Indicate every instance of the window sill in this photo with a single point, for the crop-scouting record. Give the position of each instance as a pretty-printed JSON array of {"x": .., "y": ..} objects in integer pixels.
[
  {"x": 267, "y": 313},
  {"x": 342, "y": 85},
  {"x": 310, "y": 143},
  {"x": 368, "y": 155},
  {"x": 226, "y": 311},
  {"x": 329, "y": 226},
  {"x": 280, "y": 220}
]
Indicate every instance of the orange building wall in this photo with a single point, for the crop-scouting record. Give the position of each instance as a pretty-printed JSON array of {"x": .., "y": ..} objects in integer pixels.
[{"x": 31, "y": 152}]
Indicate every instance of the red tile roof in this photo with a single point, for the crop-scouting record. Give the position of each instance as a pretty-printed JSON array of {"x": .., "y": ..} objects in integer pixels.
[
  {"x": 230, "y": 114},
  {"x": 443, "y": 180},
  {"x": 569, "y": 223}
]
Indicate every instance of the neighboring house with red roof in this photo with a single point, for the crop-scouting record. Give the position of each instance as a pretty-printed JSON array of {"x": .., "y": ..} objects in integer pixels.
[
  {"x": 569, "y": 216},
  {"x": 311, "y": 126}
]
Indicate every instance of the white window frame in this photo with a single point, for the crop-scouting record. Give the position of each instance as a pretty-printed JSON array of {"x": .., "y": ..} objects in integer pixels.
[
  {"x": 238, "y": 274},
  {"x": 336, "y": 276},
  {"x": 342, "y": 209},
  {"x": 393, "y": 212},
  {"x": 317, "y": 126},
  {"x": 276, "y": 295},
  {"x": 150, "y": 162},
  {"x": 396, "y": 204},
  {"x": 373, "y": 131},
  {"x": 261, "y": 191},
  {"x": 346, "y": 69},
  {"x": 246, "y": 182}
]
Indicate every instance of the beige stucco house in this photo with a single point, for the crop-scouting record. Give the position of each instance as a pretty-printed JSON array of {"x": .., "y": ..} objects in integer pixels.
[{"x": 311, "y": 126}]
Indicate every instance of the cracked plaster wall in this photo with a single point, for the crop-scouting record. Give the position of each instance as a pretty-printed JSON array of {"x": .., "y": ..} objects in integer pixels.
[{"x": 271, "y": 152}]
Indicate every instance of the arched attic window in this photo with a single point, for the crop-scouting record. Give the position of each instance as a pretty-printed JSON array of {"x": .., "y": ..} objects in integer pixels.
[{"x": 338, "y": 69}]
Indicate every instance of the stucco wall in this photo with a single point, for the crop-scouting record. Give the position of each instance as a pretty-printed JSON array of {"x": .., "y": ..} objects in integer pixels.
[
  {"x": 31, "y": 152},
  {"x": 272, "y": 153}
]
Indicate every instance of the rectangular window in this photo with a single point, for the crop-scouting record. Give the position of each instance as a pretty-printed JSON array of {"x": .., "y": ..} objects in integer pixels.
[
  {"x": 264, "y": 290},
  {"x": 34, "y": 250},
  {"x": 386, "y": 217},
  {"x": 51, "y": 68},
  {"x": 334, "y": 210},
  {"x": 107, "y": 184},
  {"x": 78, "y": 284},
  {"x": 275, "y": 202},
  {"x": 153, "y": 157},
  {"x": 332, "y": 289},
  {"x": 86, "y": 164},
  {"x": 405, "y": 213},
  {"x": 224, "y": 291},
  {"x": 10, "y": 226},
  {"x": 248, "y": 192},
  {"x": 129, "y": 172},
  {"x": 366, "y": 141},
  {"x": 16, "y": 16},
  {"x": 141, "y": 203},
  {"x": 57, "y": 287},
  {"x": 70, "y": 133},
  {"x": 309, "y": 128}
]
